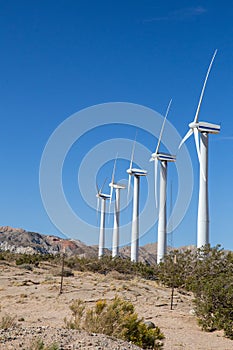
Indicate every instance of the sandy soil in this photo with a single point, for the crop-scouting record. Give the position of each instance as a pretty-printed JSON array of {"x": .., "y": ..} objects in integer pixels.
[{"x": 33, "y": 298}]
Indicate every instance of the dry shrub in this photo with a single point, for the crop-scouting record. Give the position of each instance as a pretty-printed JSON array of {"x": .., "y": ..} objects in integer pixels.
[
  {"x": 38, "y": 344},
  {"x": 7, "y": 321},
  {"x": 116, "y": 318},
  {"x": 77, "y": 308},
  {"x": 118, "y": 276}
]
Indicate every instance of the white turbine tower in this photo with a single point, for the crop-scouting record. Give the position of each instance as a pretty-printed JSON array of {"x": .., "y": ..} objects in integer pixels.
[
  {"x": 136, "y": 173},
  {"x": 118, "y": 188},
  {"x": 204, "y": 128},
  {"x": 103, "y": 198},
  {"x": 164, "y": 158}
]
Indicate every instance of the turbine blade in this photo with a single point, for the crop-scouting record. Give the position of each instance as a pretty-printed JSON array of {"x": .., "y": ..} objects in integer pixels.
[
  {"x": 161, "y": 131},
  {"x": 97, "y": 188},
  {"x": 131, "y": 164},
  {"x": 100, "y": 191},
  {"x": 198, "y": 152},
  {"x": 132, "y": 154},
  {"x": 197, "y": 143},
  {"x": 111, "y": 191},
  {"x": 114, "y": 169},
  {"x": 203, "y": 88},
  {"x": 97, "y": 209},
  {"x": 129, "y": 183},
  {"x": 155, "y": 179},
  {"x": 112, "y": 182},
  {"x": 110, "y": 201},
  {"x": 189, "y": 133}
]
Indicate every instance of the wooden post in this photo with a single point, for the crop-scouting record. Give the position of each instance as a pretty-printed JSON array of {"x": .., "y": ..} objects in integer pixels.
[
  {"x": 62, "y": 272},
  {"x": 172, "y": 297},
  {"x": 172, "y": 294}
]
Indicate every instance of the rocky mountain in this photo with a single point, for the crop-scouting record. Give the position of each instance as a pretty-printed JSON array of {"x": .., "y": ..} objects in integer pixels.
[
  {"x": 18, "y": 240},
  {"x": 147, "y": 253}
]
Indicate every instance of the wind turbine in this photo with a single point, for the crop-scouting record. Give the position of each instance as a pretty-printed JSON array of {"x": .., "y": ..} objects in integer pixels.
[
  {"x": 136, "y": 173},
  {"x": 204, "y": 129},
  {"x": 118, "y": 188},
  {"x": 103, "y": 197},
  {"x": 163, "y": 158}
]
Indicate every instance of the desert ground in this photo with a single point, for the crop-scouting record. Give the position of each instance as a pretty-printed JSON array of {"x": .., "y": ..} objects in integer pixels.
[{"x": 33, "y": 298}]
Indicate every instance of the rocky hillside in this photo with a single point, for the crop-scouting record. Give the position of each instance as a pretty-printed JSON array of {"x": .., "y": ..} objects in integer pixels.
[
  {"x": 18, "y": 240},
  {"x": 147, "y": 253}
]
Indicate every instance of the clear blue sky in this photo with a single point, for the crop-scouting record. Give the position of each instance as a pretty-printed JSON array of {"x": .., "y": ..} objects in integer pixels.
[{"x": 58, "y": 57}]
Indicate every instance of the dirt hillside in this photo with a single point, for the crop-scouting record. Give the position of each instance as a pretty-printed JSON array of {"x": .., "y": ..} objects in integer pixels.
[{"x": 33, "y": 298}]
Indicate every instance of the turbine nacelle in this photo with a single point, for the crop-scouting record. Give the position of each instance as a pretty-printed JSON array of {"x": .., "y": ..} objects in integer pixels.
[
  {"x": 136, "y": 172},
  {"x": 116, "y": 186},
  {"x": 162, "y": 157},
  {"x": 209, "y": 127},
  {"x": 205, "y": 127},
  {"x": 103, "y": 196}
]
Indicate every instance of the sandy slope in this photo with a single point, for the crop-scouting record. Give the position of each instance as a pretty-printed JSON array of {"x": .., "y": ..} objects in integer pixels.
[{"x": 33, "y": 297}]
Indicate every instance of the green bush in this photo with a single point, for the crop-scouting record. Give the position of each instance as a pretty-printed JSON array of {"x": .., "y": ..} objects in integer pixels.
[
  {"x": 118, "y": 319},
  {"x": 33, "y": 259},
  {"x": 103, "y": 266},
  {"x": 213, "y": 290},
  {"x": 208, "y": 273},
  {"x": 178, "y": 268},
  {"x": 7, "y": 256},
  {"x": 107, "y": 264},
  {"x": 2, "y": 256}
]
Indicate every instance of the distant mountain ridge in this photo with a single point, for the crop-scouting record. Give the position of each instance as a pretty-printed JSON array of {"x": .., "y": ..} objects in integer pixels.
[{"x": 18, "y": 240}]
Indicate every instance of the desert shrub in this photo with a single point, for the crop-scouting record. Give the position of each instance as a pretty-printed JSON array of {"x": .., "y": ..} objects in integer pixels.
[
  {"x": 177, "y": 268},
  {"x": 116, "y": 318},
  {"x": 38, "y": 344},
  {"x": 77, "y": 308},
  {"x": 108, "y": 264},
  {"x": 213, "y": 291},
  {"x": 119, "y": 276},
  {"x": 146, "y": 271},
  {"x": 2, "y": 256},
  {"x": 26, "y": 267},
  {"x": 103, "y": 265},
  {"x": 7, "y": 256},
  {"x": 33, "y": 259},
  {"x": 208, "y": 273},
  {"x": 7, "y": 321},
  {"x": 65, "y": 272}
]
